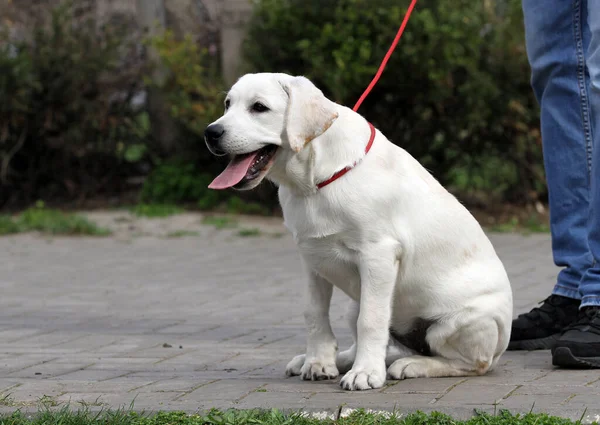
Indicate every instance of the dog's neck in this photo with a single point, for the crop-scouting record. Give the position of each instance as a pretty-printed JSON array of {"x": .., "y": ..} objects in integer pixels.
[{"x": 342, "y": 145}]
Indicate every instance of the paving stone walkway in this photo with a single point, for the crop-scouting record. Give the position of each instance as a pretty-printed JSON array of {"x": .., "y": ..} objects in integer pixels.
[{"x": 210, "y": 320}]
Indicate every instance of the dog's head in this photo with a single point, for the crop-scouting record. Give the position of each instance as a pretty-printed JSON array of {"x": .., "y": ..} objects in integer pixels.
[{"x": 265, "y": 116}]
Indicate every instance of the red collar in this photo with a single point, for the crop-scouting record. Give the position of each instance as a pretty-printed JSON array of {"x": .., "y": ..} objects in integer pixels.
[{"x": 348, "y": 168}]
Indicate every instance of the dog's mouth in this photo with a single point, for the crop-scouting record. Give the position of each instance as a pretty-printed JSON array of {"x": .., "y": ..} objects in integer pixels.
[{"x": 244, "y": 168}]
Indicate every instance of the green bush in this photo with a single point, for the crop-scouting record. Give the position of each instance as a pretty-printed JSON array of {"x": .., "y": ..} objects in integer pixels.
[
  {"x": 193, "y": 93},
  {"x": 455, "y": 93},
  {"x": 193, "y": 90},
  {"x": 176, "y": 182},
  {"x": 180, "y": 182},
  {"x": 67, "y": 123}
]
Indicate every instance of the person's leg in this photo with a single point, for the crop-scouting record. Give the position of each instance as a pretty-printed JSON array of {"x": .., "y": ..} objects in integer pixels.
[
  {"x": 557, "y": 36},
  {"x": 579, "y": 345},
  {"x": 590, "y": 284}
]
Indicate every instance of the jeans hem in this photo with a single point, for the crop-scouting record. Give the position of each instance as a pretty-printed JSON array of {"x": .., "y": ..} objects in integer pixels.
[
  {"x": 590, "y": 301},
  {"x": 567, "y": 292}
]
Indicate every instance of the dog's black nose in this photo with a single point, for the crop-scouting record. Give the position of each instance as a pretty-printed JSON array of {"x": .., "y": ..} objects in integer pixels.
[
  {"x": 212, "y": 135},
  {"x": 214, "y": 132}
]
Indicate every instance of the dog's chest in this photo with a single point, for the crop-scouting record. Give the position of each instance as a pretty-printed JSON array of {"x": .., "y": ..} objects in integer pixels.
[
  {"x": 327, "y": 244},
  {"x": 306, "y": 229},
  {"x": 333, "y": 259},
  {"x": 315, "y": 217}
]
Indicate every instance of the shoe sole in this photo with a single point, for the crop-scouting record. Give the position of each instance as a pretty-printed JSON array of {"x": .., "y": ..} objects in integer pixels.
[
  {"x": 562, "y": 356},
  {"x": 534, "y": 344}
]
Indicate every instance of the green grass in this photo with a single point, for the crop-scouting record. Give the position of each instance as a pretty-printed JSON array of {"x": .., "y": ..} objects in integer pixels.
[
  {"x": 156, "y": 210},
  {"x": 49, "y": 221},
  {"x": 8, "y": 225},
  {"x": 6, "y": 400},
  {"x": 245, "y": 233},
  {"x": 220, "y": 222},
  {"x": 236, "y": 205},
  {"x": 182, "y": 233},
  {"x": 531, "y": 225},
  {"x": 509, "y": 226},
  {"x": 65, "y": 416},
  {"x": 48, "y": 401}
]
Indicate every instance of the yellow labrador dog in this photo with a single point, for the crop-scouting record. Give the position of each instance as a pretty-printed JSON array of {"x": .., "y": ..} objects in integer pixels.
[{"x": 429, "y": 296}]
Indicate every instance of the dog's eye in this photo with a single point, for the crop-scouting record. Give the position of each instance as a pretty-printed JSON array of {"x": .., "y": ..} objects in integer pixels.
[
  {"x": 227, "y": 103},
  {"x": 259, "y": 107}
]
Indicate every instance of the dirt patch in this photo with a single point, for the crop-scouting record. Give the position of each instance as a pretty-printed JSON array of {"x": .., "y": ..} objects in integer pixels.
[{"x": 125, "y": 225}]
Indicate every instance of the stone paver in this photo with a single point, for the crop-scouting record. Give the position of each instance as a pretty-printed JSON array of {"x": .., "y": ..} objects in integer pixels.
[{"x": 211, "y": 320}]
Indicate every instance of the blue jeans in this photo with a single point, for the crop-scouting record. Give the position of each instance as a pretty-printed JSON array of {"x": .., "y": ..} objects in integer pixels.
[{"x": 563, "y": 47}]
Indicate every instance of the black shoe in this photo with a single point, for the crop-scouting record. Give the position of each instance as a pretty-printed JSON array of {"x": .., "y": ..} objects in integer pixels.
[
  {"x": 579, "y": 344},
  {"x": 541, "y": 327}
]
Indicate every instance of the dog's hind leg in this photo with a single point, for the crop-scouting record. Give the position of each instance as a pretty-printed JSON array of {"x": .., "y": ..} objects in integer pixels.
[
  {"x": 396, "y": 351},
  {"x": 472, "y": 349},
  {"x": 345, "y": 359},
  {"x": 428, "y": 367}
]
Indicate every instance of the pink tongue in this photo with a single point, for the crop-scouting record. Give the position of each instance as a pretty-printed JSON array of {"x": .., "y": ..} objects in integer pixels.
[{"x": 234, "y": 173}]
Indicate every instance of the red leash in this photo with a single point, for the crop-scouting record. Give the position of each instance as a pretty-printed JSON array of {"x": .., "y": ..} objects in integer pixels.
[
  {"x": 387, "y": 56},
  {"x": 368, "y": 90}
]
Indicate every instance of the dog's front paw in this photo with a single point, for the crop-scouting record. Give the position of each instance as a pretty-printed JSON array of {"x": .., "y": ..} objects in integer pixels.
[
  {"x": 316, "y": 370},
  {"x": 312, "y": 370},
  {"x": 294, "y": 367},
  {"x": 363, "y": 379}
]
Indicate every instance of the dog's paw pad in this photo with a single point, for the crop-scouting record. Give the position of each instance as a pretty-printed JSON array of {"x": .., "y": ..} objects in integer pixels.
[{"x": 362, "y": 380}]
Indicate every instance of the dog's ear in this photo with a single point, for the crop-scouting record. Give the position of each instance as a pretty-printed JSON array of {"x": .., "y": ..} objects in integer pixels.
[{"x": 309, "y": 113}]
